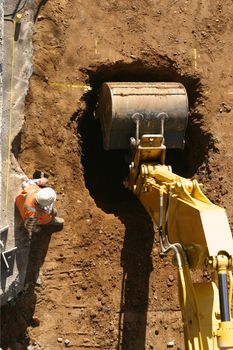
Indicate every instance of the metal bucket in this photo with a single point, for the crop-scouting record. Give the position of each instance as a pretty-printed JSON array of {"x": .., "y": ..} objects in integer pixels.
[{"x": 119, "y": 101}]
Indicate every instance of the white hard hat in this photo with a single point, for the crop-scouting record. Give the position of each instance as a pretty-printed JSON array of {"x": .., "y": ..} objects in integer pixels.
[{"x": 46, "y": 196}]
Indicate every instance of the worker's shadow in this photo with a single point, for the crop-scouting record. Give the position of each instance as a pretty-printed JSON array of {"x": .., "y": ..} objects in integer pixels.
[
  {"x": 33, "y": 248},
  {"x": 106, "y": 187},
  {"x": 17, "y": 315},
  {"x": 39, "y": 244}
]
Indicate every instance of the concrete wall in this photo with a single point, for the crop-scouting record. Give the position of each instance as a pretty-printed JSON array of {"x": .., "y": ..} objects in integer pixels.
[
  {"x": 1, "y": 98},
  {"x": 15, "y": 239}
]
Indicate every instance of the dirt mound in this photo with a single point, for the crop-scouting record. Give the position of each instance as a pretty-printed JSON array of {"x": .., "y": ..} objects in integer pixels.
[{"x": 101, "y": 283}]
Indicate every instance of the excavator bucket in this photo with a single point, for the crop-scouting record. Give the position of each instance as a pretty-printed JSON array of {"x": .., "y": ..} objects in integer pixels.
[{"x": 161, "y": 108}]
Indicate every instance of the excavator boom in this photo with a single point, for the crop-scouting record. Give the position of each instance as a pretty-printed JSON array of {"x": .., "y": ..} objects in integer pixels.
[
  {"x": 148, "y": 118},
  {"x": 198, "y": 233}
]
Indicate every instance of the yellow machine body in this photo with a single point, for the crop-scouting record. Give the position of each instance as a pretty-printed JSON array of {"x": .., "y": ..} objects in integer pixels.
[
  {"x": 203, "y": 231},
  {"x": 201, "y": 222},
  {"x": 195, "y": 229}
]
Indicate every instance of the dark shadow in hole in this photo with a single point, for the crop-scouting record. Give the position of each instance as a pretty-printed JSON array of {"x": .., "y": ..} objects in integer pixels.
[
  {"x": 198, "y": 142},
  {"x": 15, "y": 146},
  {"x": 104, "y": 174}
]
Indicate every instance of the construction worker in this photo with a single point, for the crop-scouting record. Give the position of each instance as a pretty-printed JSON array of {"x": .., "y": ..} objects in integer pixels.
[{"x": 35, "y": 203}]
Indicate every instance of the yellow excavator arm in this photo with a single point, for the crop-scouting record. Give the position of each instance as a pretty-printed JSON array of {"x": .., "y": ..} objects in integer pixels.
[
  {"x": 148, "y": 118},
  {"x": 198, "y": 232}
]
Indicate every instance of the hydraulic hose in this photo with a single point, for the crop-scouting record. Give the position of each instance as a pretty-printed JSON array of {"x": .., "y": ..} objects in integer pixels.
[{"x": 17, "y": 10}]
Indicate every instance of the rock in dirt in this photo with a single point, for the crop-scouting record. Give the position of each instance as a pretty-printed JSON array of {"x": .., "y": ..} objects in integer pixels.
[
  {"x": 170, "y": 344},
  {"x": 78, "y": 296},
  {"x": 93, "y": 314},
  {"x": 227, "y": 108},
  {"x": 67, "y": 342},
  {"x": 171, "y": 278},
  {"x": 84, "y": 286}
]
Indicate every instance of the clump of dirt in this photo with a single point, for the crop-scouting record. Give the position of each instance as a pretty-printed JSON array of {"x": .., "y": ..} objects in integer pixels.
[{"x": 101, "y": 282}]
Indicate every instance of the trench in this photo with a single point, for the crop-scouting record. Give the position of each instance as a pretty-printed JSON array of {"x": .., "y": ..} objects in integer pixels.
[
  {"x": 104, "y": 172},
  {"x": 109, "y": 167}
]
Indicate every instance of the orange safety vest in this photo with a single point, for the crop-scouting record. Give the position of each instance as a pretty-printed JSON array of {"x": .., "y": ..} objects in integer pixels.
[{"x": 28, "y": 208}]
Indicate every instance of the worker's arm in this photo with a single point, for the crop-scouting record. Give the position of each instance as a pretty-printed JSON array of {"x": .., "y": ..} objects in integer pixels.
[
  {"x": 31, "y": 225},
  {"x": 40, "y": 182}
]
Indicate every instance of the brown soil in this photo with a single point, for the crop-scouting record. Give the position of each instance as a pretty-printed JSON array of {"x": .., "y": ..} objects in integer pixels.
[{"x": 102, "y": 283}]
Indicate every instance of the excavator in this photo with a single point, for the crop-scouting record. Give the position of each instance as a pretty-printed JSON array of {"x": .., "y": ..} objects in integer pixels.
[{"x": 146, "y": 119}]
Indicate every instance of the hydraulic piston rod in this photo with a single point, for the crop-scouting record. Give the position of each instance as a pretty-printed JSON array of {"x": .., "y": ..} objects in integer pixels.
[{"x": 223, "y": 296}]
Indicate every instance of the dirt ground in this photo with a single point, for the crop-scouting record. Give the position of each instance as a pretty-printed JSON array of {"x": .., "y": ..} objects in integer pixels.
[{"x": 100, "y": 282}]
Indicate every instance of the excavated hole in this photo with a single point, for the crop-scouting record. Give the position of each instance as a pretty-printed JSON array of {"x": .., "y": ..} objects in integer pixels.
[{"x": 105, "y": 170}]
